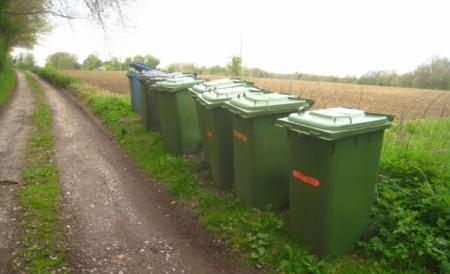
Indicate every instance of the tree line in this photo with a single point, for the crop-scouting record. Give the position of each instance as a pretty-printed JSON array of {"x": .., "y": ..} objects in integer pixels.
[{"x": 65, "y": 60}]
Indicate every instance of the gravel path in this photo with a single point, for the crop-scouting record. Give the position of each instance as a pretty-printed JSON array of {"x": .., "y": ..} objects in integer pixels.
[{"x": 118, "y": 219}]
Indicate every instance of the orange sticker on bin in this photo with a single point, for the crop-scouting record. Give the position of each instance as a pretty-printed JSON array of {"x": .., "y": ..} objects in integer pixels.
[
  {"x": 306, "y": 179},
  {"x": 240, "y": 135},
  {"x": 209, "y": 134}
]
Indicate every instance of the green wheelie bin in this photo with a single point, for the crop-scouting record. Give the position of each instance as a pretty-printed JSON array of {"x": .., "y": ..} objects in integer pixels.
[
  {"x": 260, "y": 148},
  {"x": 197, "y": 91},
  {"x": 177, "y": 115},
  {"x": 218, "y": 132},
  {"x": 333, "y": 165}
]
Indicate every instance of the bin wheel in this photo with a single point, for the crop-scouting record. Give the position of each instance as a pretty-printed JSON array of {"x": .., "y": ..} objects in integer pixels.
[{"x": 369, "y": 232}]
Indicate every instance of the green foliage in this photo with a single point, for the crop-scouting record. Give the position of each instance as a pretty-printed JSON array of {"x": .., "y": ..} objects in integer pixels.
[
  {"x": 114, "y": 64},
  {"x": 151, "y": 61},
  {"x": 63, "y": 60},
  {"x": 235, "y": 66},
  {"x": 434, "y": 74},
  {"x": 53, "y": 75},
  {"x": 25, "y": 61},
  {"x": 139, "y": 58},
  {"x": 92, "y": 62},
  {"x": 182, "y": 67},
  {"x": 412, "y": 206},
  {"x": 23, "y": 22},
  {"x": 214, "y": 70},
  {"x": 7, "y": 84},
  {"x": 127, "y": 62}
]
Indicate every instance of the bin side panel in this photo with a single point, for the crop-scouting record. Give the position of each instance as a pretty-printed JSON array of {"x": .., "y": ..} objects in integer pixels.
[
  {"x": 143, "y": 105},
  {"x": 189, "y": 127},
  {"x": 220, "y": 144},
  {"x": 153, "y": 122},
  {"x": 201, "y": 113}
]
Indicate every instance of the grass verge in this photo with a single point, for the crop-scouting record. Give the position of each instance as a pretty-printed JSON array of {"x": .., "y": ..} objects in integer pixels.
[
  {"x": 7, "y": 83},
  {"x": 412, "y": 206},
  {"x": 43, "y": 248}
]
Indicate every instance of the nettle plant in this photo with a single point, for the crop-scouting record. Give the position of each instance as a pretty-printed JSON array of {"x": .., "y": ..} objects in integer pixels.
[{"x": 412, "y": 204}]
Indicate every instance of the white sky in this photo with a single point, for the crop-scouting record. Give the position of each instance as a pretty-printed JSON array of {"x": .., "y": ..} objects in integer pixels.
[{"x": 325, "y": 37}]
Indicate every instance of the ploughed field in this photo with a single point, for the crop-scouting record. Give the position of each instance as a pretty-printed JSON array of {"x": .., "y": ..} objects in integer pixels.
[{"x": 403, "y": 103}]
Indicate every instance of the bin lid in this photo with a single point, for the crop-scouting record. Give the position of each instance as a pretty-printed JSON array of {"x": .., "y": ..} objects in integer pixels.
[
  {"x": 148, "y": 74},
  {"x": 250, "y": 105},
  {"x": 218, "y": 84},
  {"x": 176, "y": 84},
  {"x": 215, "y": 98},
  {"x": 335, "y": 123}
]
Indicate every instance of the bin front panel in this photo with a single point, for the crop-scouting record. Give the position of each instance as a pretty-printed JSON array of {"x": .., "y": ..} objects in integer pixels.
[
  {"x": 260, "y": 161},
  {"x": 169, "y": 119},
  {"x": 331, "y": 189}
]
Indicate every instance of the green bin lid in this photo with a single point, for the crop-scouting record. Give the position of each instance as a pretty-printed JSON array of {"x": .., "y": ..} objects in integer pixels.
[
  {"x": 268, "y": 103},
  {"x": 218, "y": 84},
  {"x": 213, "y": 99},
  {"x": 176, "y": 84},
  {"x": 335, "y": 123}
]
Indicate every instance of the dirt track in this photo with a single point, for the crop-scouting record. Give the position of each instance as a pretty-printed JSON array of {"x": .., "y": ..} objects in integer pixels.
[{"x": 118, "y": 219}]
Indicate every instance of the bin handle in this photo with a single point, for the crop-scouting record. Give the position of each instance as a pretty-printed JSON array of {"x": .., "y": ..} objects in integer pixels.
[
  {"x": 302, "y": 109},
  {"x": 349, "y": 117},
  {"x": 256, "y": 101}
]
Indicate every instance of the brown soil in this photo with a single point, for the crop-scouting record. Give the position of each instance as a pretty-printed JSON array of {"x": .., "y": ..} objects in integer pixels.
[
  {"x": 118, "y": 219},
  {"x": 403, "y": 103}
]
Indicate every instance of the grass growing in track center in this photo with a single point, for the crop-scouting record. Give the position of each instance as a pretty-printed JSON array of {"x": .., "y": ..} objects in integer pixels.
[
  {"x": 412, "y": 205},
  {"x": 40, "y": 199}
]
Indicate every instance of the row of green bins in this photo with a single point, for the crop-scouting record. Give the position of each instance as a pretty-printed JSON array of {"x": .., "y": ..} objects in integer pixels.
[
  {"x": 197, "y": 91},
  {"x": 147, "y": 99},
  {"x": 134, "y": 91},
  {"x": 333, "y": 164},
  {"x": 177, "y": 115},
  {"x": 218, "y": 131},
  {"x": 149, "y": 107},
  {"x": 260, "y": 148}
]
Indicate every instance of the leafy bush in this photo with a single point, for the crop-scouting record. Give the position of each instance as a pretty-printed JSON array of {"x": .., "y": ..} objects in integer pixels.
[
  {"x": 53, "y": 75},
  {"x": 412, "y": 205},
  {"x": 7, "y": 83}
]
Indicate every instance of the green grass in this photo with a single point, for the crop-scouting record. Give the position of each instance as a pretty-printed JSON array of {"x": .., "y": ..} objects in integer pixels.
[
  {"x": 411, "y": 206},
  {"x": 7, "y": 84},
  {"x": 42, "y": 248}
]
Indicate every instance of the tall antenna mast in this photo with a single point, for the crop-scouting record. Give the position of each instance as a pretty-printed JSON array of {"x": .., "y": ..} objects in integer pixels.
[{"x": 241, "y": 57}]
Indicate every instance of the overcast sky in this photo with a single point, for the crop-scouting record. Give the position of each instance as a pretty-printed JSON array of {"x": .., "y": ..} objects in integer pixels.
[{"x": 325, "y": 37}]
